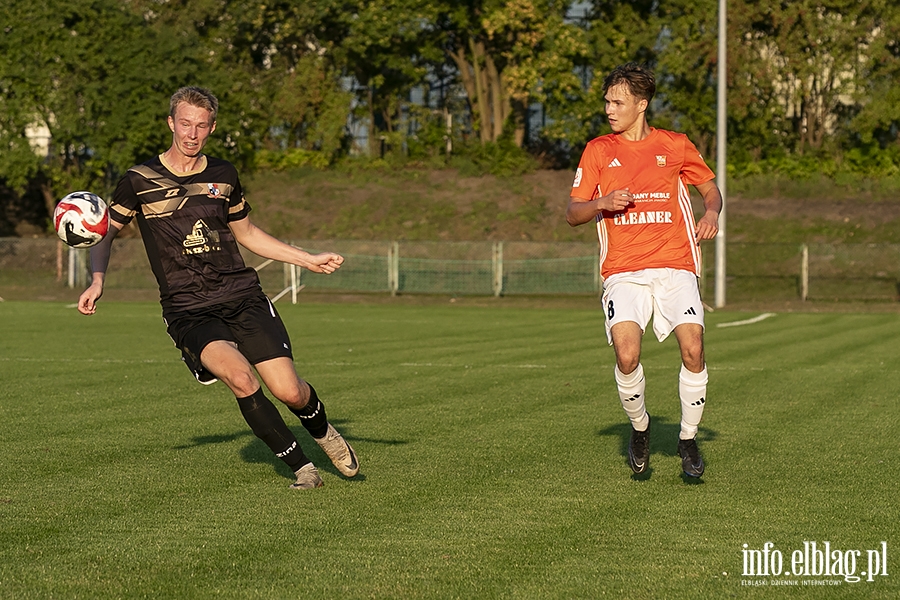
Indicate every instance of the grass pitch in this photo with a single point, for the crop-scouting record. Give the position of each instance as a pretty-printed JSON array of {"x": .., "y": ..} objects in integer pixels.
[{"x": 492, "y": 446}]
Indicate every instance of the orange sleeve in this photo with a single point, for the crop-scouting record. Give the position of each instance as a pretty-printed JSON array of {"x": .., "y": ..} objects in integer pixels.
[
  {"x": 587, "y": 176},
  {"x": 695, "y": 170}
]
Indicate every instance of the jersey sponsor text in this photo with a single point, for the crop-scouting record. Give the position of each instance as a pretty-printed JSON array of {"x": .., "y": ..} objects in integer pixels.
[
  {"x": 643, "y": 218},
  {"x": 643, "y": 196}
]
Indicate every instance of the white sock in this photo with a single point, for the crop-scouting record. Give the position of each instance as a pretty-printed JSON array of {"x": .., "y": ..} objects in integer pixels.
[
  {"x": 631, "y": 393},
  {"x": 692, "y": 390}
]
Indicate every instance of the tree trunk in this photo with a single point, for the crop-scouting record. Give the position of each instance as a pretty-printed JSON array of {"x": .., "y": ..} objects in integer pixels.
[
  {"x": 488, "y": 99},
  {"x": 499, "y": 104},
  {"x": 374, "y": 145},
  {"x": 481, "y": 91},
  {"x": 519, "y": 115},
  {"x": 465, "y": 74},
  {"x": 49, "y": 199}
]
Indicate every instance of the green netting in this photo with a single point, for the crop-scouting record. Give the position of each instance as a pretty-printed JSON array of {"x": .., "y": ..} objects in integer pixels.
[
  {"x": 756, "y": 272},
  {"x": 763, "y": 272},
  {"x": 577, "y": 275},
  {"x": 854, "y": 271},
  {"x": 359, "y": 273},
  {"x": 433, "y": 276},
  {"x": 463, "y": 268}
]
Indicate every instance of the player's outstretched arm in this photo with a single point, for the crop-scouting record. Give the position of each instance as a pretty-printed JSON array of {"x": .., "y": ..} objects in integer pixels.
[
  {"x": 259, "y": 242},
  {"x": 87, "y": 302}
]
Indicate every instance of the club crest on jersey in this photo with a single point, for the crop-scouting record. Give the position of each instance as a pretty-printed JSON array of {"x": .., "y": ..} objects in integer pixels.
[
  {"x": 213, "y": 190},
  {"x": 660, "y": 160}
]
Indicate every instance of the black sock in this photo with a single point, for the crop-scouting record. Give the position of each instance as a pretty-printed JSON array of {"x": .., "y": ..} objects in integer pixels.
[
  {"x": 266, "y": 422},
  {"x": 313, "y": 415}
]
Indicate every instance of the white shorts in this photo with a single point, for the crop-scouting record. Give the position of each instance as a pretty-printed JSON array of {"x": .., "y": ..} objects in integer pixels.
[{"x": 670, "y": 296}]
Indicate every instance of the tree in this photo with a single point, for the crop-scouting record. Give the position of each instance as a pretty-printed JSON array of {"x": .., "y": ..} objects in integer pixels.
[
  {"x": 97, "y": 77},
  {"x": 807, "y": 57},
  {"x": 610, "y": 33},
  {"x": 310, "y": 107},
  {"x": 272, "y": 67},
  {"x": 877, "y": 92},
  {"x": 686, "y": 70},
  {"x": 383, "y": 47},
  {"x": 508, "y": 53}
]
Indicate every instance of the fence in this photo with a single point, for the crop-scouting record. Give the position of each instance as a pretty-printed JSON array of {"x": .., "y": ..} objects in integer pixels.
[
  {"x": 459, "y": 268},
  {"x": 826, "y": 272},
  {"x": 34, "y": 268}
]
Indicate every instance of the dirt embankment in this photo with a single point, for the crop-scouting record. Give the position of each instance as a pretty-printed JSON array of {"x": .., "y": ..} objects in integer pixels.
[{"x": 443, "y": 205}]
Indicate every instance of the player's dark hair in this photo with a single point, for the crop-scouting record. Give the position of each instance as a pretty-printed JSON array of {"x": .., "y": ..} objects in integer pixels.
[
  {"x": 195, "y": 96},
  {"x": 637, "y": 77}
]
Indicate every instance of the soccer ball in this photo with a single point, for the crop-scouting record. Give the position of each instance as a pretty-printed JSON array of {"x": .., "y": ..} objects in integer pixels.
[{"x": 81, "y": 219}]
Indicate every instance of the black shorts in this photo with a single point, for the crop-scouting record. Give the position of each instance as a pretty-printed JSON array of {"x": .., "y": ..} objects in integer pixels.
[{"x": 251, "y": 323}]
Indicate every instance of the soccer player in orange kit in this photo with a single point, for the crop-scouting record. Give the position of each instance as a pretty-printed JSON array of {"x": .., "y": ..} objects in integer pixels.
[{"x": 633, "y": 183}]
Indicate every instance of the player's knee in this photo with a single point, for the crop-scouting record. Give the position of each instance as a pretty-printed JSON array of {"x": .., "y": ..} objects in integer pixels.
[
  {"x": 295, "y": 395},
  {"x": 693, "y": 358},
  {"x": 242, "y": 383},
  {"x": 628, "y": 363},
  {"x": 628, "y": 354}
]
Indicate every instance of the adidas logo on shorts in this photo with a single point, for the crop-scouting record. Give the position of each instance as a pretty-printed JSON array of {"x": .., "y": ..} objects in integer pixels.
[{"x": 690, "y": 311}]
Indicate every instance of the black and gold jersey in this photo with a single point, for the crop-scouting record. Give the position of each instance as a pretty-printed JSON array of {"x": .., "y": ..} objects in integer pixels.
[{"x": 183, "y": 219}]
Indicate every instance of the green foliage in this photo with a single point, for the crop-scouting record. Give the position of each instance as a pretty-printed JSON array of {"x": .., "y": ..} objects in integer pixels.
[
  {"x": 872, "y": 161},
  {"x": 291, "y": 158},
  {"x": 865, "y": 161},
  {"x": 686, "y": 70},
  {"x": 811, "y": 98},
  {"x": 611, "y": 33},
  {"x": 502, "y": 158},
  {"x": 431, "y": 136},
  {"x": 384, "y": 46},
  {"x": 311, "y": 108},
  {"x": 289, "y": 75},
  {"x": 98, "y": 78},
  {"x": 842, "y": 91}
]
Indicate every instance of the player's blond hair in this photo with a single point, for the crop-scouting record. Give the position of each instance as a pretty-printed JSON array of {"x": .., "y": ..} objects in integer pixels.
[{"x": 195, "y": 96}]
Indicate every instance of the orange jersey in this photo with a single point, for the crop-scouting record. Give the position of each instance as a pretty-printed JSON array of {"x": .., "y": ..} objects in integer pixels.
[{"x": 657, "y": 231}]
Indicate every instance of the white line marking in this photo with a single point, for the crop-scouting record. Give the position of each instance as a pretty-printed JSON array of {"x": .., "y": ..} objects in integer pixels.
[
  {"x": 747, "y": 321},
  {"x": 88, "y": 360}
]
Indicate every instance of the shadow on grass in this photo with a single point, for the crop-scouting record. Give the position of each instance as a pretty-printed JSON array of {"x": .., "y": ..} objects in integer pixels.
[
  {"x": 256, "y": 452},
  {"x": 663, "y": 440},
  {"x": 205, "y": 440}
]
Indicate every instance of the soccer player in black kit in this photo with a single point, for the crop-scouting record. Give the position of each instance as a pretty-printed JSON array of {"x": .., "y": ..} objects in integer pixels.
[{"x": 192, "y": 215}]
